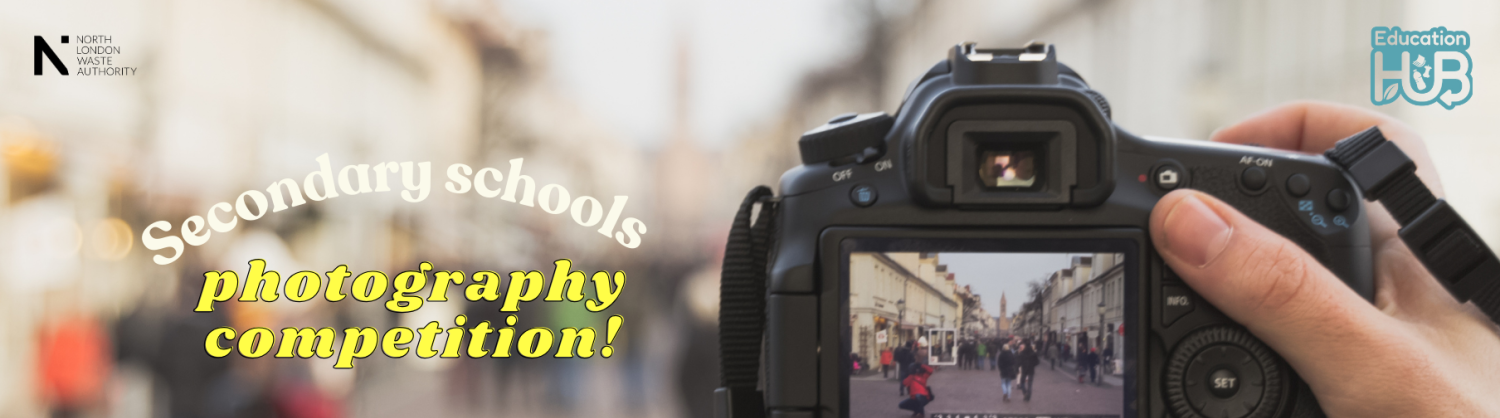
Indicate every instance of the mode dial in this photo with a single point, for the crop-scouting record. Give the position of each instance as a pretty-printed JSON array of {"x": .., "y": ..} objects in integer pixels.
[{"x": 845, "y": 135}]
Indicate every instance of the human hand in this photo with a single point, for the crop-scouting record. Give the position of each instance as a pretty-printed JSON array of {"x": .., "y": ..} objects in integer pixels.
[{"x": 1415, "y": 352}]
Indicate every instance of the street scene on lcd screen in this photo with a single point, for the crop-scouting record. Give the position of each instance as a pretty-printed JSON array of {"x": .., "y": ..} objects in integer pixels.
[{"x": 989, "y": 333}]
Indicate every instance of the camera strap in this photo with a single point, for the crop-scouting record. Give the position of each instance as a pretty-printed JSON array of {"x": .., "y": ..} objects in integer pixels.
[
  {"x": 742, "y": 307},
  {"x": 1433, "y": 231}
]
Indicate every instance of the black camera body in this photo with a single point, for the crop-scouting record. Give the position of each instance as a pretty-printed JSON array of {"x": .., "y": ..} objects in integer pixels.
[{"x": 1008, "y": 150}]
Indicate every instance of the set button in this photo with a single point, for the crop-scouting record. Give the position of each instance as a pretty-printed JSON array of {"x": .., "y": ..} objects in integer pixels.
[{"x": 1223, "y": 383}]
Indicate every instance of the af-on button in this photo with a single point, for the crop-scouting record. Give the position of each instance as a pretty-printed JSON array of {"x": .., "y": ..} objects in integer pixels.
[{"x": 1253, "y": 178}]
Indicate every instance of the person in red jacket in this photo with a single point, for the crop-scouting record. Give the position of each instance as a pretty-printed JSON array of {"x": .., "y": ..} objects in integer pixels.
[
  {"x": 916, "y": 384},
  {"x": 885, "y": 362}
]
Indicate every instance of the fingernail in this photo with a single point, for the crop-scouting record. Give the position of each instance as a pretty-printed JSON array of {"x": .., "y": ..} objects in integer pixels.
[{"x": 1195, "y": 233}]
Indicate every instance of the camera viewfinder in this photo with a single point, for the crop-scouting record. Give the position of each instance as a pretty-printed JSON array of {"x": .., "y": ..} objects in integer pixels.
[{"x": 1010, "y": 167}]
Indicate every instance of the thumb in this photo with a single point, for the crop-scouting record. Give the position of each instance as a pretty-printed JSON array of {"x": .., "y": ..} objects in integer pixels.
[{"x": 1266, "y": 283}]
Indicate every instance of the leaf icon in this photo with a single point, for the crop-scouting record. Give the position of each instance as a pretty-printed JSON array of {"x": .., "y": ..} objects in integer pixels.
[{"x": 1390, "y": 91}]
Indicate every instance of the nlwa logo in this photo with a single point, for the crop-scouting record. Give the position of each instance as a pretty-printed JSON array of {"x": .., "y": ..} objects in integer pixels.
[
  {"x": 1422, "y": 66},
  {"x": 42, "y": 49},
  {"x": 93, "y": 55}
]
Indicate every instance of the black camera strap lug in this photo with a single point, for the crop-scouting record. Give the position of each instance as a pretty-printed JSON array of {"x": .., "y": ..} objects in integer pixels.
[
  {"x": 1433, "y": 231},
  {"x": 742, "y": 308}
]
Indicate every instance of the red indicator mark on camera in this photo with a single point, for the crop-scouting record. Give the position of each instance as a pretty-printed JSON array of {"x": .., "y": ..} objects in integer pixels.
[{"x": 1142, "y": 178}]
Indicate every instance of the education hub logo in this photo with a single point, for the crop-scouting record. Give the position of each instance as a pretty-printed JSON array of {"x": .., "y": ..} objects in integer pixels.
[{"x": 1422, "y": 66}]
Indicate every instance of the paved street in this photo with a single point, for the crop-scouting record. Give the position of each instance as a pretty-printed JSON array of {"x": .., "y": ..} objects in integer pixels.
[{"x": 1055, "y": 392}]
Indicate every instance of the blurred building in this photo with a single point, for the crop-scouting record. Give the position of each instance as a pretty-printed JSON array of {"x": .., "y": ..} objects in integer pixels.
[
  {"x": 976, "y": 320},
  {"x": 1090, "y": 313},
  {"x": 904, "y": 293},
  {"x": 877, "y": 294},
  {"x": 1002, "y": 321},
  {"x": 1028, "y": 321}
]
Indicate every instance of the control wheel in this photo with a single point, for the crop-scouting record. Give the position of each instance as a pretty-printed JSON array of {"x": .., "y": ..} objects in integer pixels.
[{"x": 1224, "y": 372}]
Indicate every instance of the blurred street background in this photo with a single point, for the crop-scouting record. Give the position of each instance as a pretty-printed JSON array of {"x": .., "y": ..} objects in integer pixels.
[{"x": 681, "y": 105}]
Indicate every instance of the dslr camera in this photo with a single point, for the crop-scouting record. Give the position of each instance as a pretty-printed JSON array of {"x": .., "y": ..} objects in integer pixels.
[{"x": 986, "y": 248}]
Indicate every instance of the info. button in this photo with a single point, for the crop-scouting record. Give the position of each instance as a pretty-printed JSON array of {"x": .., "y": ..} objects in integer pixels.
[{"x": 1176, "y": 302}]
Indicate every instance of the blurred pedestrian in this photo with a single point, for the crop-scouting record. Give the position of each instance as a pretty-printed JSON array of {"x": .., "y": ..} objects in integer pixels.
[
  {"x": 921, "y": 394},
  {"x": 885, "y": 362},
  {"x": 1109, "y": 358},
  {"x": 73, "y": 364},
  {"x": 1052, "y": 353},
  {"x": 1027, "y": 360},
  {"x": 968, "y": 354},
  {"x": 904, "y": 359},
  {"x": 1089, "y": 361},
  {"x": 958, "y": 354},
  {"x": 1007, "y": 363},
  {"x": 981, "y": 349}
]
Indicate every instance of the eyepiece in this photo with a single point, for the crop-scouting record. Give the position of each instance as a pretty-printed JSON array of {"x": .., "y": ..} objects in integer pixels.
[{"x": 1008, "y": 167}]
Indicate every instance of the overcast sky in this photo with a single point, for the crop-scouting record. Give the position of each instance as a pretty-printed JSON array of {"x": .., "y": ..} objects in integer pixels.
[
  {"x": 616, "y": 59},
  {"x": 988, "y": 274}
]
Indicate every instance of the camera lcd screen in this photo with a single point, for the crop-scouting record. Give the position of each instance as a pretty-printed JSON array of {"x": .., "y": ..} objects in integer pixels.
[{"x": 987, "y": 334}]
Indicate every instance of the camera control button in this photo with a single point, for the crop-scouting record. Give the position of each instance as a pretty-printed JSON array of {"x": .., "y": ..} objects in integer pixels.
[
  {"x": 1177, "y": 302},
  {"x": 1338, "y": 200},
  {"x": 863, "y": 195},
  {"x": 1223, "y": 383},
  {"x": 1298, "y": 185},
  {"x": 1227, "y": 370},
  {"x": 1169, "y": 177},
  {"x": 842, "y": 118},
  {"x": 1253, "y": 178},
  {"x": 1223, "y": 372}
]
